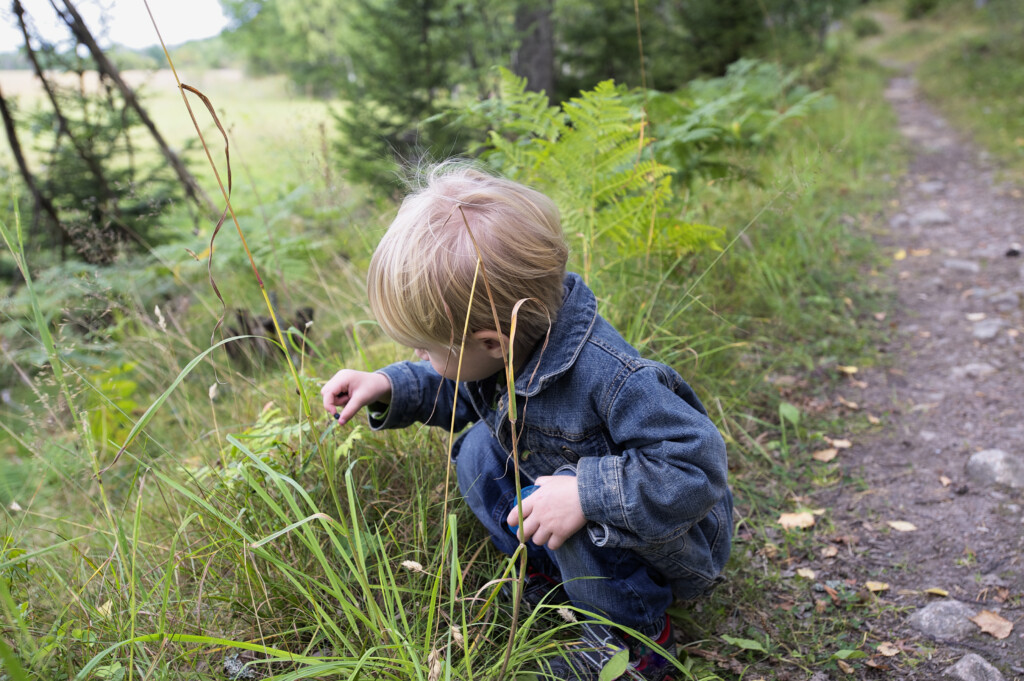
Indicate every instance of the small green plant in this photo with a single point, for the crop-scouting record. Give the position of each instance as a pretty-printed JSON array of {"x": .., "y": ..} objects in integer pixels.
[
  {"x": 865, "y": 26},
  {"x": 915, "y": 9}
]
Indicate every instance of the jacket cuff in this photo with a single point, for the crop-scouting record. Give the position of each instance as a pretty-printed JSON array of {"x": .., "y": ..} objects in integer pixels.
[
  {"x": 384, "y": 416},
  {"x": 597, "y": 478}
]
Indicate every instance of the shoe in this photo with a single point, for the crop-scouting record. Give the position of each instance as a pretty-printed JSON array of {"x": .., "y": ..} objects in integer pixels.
[
  {"x": 538, "y": 587},
  {"x": 600, "y": 643}
]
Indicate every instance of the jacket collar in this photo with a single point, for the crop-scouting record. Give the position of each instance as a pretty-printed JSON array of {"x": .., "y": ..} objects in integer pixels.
[{"x": 569, "y": 333}]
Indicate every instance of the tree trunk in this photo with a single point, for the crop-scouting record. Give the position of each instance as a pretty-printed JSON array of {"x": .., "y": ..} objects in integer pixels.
[{"x": 535, "y": 58}]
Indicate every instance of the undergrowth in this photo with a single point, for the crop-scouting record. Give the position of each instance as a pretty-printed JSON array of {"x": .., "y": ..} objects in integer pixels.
[{"x": 173, "y": 512}]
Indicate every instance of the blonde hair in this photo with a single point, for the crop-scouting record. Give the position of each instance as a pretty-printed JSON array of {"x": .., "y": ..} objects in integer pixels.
[{"x": 421, "y": 274}]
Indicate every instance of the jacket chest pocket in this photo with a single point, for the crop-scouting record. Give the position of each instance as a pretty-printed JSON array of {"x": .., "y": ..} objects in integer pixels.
[{"x": 549, "y": 450}]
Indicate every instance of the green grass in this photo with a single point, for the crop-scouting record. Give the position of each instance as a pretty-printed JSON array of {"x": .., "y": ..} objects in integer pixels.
[
  {"x": 242, "y": 523},
  {"x": 984, "y": 70}
]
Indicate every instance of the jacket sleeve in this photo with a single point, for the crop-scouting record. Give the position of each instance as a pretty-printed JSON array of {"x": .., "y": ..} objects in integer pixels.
[
  {"x": 672, "y": 468},
  {"x": 420, "y": 395}
]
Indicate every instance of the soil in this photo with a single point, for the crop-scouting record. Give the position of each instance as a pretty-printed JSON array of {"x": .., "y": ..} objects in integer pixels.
[{"x": 950, "y": 387}]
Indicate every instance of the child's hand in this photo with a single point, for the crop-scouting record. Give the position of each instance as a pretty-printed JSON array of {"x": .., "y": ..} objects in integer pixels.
[
  {"x": 353, "y": 390},
  {"x": 552, "y": 514}
]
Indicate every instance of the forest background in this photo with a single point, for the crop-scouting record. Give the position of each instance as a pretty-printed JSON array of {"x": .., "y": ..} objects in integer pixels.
[{"x": 175, "y": 505}]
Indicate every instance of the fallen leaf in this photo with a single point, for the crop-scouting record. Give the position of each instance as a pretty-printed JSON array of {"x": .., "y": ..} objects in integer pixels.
[
  {"x": 993, "y": 624},
  {"x": 104, "y": 610},
  {"x": 880, "y": 316},
  {"x": 796, "y": 521},
  {"x": 830, "y": 552},
  {"x": 848, "y": 370},
  {"x": 900, "y": 254},
  {"x": 847, "y": 669},
  {"x": 920, "y": 252},
  {"x": 876, "y": 587},
  {"x": 874, "y": 420},
  {"x": 839, "y": 443},
  {"x": 825, "y": 455},
  {"x": 946, "y": 482},
  {"x": 936, "y": 591},
  {"x": 875, "y": 664},
  {"x": 858, "y": 384},
  {"x": 806, "y": 572},
  {"x": 820, "y": 606},
  {"x": 888, "y": 649},
  {"x": 901, "y": 525},
  {"x": 847, "y": 403}
]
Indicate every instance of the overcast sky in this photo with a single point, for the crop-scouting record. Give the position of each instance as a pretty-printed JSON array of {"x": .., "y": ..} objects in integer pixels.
[{"x": 126, "y": 21}]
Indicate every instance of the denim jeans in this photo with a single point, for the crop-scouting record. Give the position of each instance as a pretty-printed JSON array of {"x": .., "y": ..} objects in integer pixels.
[{"x": 614, "y": 582}]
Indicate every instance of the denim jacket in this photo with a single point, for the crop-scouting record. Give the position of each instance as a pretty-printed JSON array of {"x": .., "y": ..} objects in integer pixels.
[{"x": 650, "y": 465}]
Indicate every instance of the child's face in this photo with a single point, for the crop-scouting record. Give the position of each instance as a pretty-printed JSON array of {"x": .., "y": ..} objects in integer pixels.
[{"x": 481, "y": 358}]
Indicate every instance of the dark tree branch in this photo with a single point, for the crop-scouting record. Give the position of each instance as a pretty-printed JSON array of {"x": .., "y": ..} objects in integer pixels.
[
  {"x": 63, "y": 127},
  {"x": 41, "y": 201},
  {"x": 74, "y": 21}
]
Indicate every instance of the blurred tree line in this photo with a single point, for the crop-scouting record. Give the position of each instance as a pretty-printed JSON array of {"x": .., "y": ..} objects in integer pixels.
[{"x": 400, "y": 65}]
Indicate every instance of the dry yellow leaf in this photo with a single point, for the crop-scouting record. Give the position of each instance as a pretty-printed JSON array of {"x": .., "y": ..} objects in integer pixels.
[
  {"x": 993, "y": 624},
  {"x": 901, "y": 525},
  {"x": 806, "y": 572},
  {"x": 796, "y": 521},
  {"x": 847, "y": 403},
  {"x": 848, "y": 370},
  {"x": 920, "y": 252},
  {"x": 888, "y": 649},
  {"x": 847, "y": 669},
  {"x": 900, "y": 254},
  {"x": 874, "y": 420},
  {"x": 946, "y": 482},
  {"x": 936, "y": 591},
  {"x": 876, "y": 587},
  {"x": 839, "y": 443},
  {"x": 830, "y": 552},
  {"x": 825, "y": 455}
]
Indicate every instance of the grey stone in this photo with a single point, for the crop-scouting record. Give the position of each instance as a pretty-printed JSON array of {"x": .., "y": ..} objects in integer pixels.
[
  {"x": 987, "y": 329},
  {"x": 1005, "y": 301},
  {"x": 957, "y": 265},
  {"x": 976, "y": 370},
  {"x": 931, "y": 216},
  {"x": 899, "y": 221},
  {"x": 996, "y": 467},
  {"x": 944, "y": 619},
  {"x": 973, "y": 667},
  {"x": 931, "y": 187}
]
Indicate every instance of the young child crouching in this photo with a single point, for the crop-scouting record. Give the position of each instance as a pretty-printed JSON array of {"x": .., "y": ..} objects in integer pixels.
[{"x": 632, "y": 509}]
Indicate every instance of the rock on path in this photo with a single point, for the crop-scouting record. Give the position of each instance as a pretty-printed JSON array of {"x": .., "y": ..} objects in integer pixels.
[{"x": 948, "y": 455}]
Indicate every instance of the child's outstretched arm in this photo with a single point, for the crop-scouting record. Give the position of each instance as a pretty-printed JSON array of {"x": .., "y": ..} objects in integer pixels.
[{"x": 352, "y": 390}]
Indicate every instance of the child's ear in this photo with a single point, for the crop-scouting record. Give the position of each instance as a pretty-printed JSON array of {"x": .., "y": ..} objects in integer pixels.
[{"x": 492, "y": 342}]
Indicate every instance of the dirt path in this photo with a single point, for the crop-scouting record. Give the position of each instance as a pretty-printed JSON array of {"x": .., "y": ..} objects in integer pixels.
[{"x": 952, "y": 389}]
